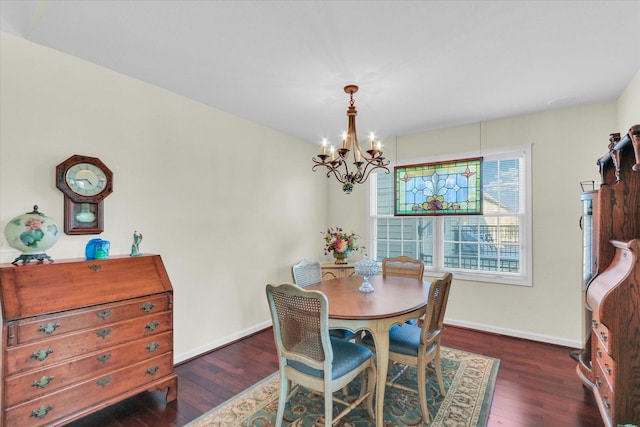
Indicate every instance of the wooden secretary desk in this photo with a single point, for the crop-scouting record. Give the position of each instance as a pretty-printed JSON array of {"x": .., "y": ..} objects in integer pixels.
[
  {"x": 78, "y": 336},
  {"x": 609, "y": 364}
]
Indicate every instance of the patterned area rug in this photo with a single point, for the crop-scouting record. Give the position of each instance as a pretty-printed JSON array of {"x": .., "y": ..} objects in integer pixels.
[{"x": 469, "y": 380}]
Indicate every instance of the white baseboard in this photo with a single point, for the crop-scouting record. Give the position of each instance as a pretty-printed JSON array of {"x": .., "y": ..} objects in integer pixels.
[
  {"x": 515, "y": 333},
  {"x": 178, "y": 358},
  {"x": 480, "y": 327}
]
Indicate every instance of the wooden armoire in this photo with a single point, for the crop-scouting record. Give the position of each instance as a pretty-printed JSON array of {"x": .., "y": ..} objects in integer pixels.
[{"x": 609, "y": 364}]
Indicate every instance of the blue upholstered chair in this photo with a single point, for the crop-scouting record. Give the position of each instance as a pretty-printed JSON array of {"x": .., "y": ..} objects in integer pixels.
[
  {"x": 417, "y": 346},
  {"x": 307, "y": 272},
  {"x": 403, "y": 266},
  {"x": 310, "y": 357}
]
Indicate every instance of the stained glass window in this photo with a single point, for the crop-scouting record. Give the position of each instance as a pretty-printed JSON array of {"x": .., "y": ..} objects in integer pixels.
[{"x": 442, "y": 188}]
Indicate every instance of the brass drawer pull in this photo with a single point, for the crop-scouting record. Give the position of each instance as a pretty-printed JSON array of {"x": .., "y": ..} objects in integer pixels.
[
  {"x": 147, "y": 307},
  {"x": 104, "y": 358},
  {"x": 103, "y": 333},
  {"x": 598, "y": 382},
  {"x": 49, "y": 328},
  {"x": 153, "y": 346},
  {"x": 41, "y": 354},
  {"x": 103, "y": 382},
  {"x": 152, "y": 325},
  {"x": 42, "y": 382},
  {"x": 608, "y": 369},
  {"x": 603, "y": 336},
  {"x": 95, "y": 267},
  {"x": 104, "y": 314},
  {"x": 151, "y": 370},
  {"x": 41, "y": 412}
]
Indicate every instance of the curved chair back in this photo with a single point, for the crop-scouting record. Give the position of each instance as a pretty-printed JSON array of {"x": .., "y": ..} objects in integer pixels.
[
  {"x": 403, "y": 266},
  {"x": 306, "y": 272},
  {"x": 434, "y": 317},
  {"x": 301, "y": 325}
]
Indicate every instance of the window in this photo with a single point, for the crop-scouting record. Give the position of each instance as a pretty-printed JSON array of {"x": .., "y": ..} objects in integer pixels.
[{"x": 492, "y": 247}]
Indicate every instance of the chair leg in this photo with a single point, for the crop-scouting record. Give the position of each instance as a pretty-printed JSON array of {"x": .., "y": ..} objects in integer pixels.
[
  {"x": 284, "y": 390},
  {"x": 422, "y": 391},
  {"x": 438, "y": 370},
  {"x": 328, "y": 404}
]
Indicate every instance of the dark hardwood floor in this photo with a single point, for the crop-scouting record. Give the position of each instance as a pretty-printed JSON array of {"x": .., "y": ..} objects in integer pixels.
[{"x": 537, "y": 384}]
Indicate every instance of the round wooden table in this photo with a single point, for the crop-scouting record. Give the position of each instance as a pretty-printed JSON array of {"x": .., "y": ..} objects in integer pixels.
[{"x": 394, "y": 301}]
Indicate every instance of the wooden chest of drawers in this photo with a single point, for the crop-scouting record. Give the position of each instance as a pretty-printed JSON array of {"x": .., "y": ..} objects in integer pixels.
[{"x": 81, "y": 335}]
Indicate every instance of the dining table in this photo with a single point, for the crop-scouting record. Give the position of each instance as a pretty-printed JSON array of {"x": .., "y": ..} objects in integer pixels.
[{"x": 394, "y": 300}]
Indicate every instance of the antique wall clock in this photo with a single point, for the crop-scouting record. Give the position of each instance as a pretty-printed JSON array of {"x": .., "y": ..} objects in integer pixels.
[{"x": 85, "y": 182}]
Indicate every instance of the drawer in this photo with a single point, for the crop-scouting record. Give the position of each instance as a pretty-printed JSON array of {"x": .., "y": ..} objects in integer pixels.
[
  {"x": 604, "y": 393},
  {"x": 601, "y": 334},
  {"x": 57, "y": 349},
  {"x": 34, "y": 329},
  {"x": 51, "y": 408},
  {"x": 33, "y": 384},
  {"x": 605, "y": 367}
]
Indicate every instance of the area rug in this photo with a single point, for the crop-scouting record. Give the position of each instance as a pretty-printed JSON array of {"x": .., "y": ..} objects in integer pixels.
[{"x": 469, "y": 381}]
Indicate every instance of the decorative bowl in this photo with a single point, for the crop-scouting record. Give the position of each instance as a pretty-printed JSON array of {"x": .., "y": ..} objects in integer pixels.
[{"x": 366, "y": 267}]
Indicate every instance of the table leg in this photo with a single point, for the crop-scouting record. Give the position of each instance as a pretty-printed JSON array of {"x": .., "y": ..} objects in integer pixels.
[{"x": 381, "y": 340}]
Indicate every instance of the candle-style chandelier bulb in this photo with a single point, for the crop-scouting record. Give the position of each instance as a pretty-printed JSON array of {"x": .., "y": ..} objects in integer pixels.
[{"x": 364, "y": 161}]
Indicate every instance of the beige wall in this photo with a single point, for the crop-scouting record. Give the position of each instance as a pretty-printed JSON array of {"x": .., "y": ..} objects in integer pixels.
[
  {"x": 223, "y": 232},
  {"x": 565, "y": 146},
  {"x": 629, "y": 105}
]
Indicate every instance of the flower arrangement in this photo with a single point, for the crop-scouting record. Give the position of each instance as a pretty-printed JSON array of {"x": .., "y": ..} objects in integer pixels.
[{"x": 336, "y": 240}]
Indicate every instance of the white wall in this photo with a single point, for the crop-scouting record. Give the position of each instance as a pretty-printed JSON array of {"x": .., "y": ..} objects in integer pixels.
[
  {"x": 207, "y": 190},
  {"x": 565, "y": 146}
]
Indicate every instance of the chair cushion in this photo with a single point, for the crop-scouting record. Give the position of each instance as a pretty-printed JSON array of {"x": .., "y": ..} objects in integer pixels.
[
  {"x": 403, "y": 339},
  {"x": 342, "y": 334},
  {"x": 346, "y": 357}
]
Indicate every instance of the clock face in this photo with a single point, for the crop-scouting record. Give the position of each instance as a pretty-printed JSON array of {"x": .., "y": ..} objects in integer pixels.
[{"x": 86, "y": 179}]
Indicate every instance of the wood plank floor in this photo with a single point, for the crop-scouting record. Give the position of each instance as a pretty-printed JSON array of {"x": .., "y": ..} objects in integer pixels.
[{"x": 537, "y": 385}]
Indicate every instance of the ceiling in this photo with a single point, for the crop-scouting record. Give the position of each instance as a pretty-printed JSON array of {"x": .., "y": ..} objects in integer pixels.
[{"x": 420, "y": 65}]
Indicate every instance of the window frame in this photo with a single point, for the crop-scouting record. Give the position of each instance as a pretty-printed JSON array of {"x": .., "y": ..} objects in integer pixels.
[{"x": 524, "y": 278}]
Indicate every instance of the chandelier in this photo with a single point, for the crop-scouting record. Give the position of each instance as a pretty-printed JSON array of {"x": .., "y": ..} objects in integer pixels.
[{"x": 338, "y": 163}]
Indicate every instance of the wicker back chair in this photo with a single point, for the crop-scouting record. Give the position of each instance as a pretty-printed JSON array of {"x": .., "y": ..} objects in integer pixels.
[
  {"x": 417, "y": 346},
  {"x": 306, "y": 272},
  {"x": 309, "y": 357},
  {"x": 403, "y": 266}
]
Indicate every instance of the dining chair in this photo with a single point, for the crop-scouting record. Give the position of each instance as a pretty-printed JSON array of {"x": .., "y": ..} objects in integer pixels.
[
  {"x": 403, "y": 266},
  {"x": 307, "y": 272},
  {"x": 309, "y": 357},
  {"x": 418, "y": 346}
]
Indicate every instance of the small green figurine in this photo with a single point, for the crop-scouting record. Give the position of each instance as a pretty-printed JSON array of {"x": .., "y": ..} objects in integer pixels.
[{"x": 135, "y": 247}]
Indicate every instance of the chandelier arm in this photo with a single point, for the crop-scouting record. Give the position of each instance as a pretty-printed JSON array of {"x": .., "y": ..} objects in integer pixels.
[
  {"x": 370, "y": 167},
  {"x": 336, "y": 173}
]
